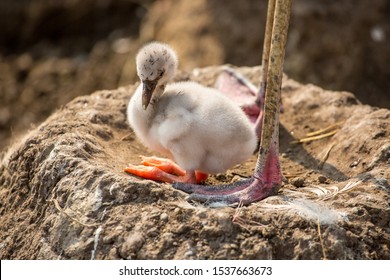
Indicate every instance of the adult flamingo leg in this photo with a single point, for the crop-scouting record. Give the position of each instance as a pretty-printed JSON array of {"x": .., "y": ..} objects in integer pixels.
[{"x": 266, "y": 179}]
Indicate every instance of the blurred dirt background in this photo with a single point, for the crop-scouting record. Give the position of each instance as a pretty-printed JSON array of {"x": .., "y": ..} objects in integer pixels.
[{"x": 52, "y": 51}]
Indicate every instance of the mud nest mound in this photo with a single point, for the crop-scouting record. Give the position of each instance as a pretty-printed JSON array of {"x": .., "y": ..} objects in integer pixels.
[{"x": 64, "y": 194}]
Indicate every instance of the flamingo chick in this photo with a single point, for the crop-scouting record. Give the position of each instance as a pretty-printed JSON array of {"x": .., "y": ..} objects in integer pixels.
[{"x": 199, "y": 128}]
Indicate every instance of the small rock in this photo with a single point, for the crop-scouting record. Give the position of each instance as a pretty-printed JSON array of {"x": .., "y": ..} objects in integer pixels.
[
  {"x": 322, "y": 179},
  {"x": 189, "y": 253},
  {"x": 221, "y": 177},
  {"x": 354, "y": 164},
  {"x": 167, "y": 240},
  {"x": 109, "y": 239},
  {"x": 113, "y": 254},
  {"x": 202, "y": 214},
  {"x": 132, "y": 244},
  {"x": 164, "y": 217},
  {"x": 181, "y": 229},
  {"x": 157, "y": 192},
  {"x": 225, "y": 222},
  {"x": 211, "y": 231},
  {"x": 298, "y": 182}
]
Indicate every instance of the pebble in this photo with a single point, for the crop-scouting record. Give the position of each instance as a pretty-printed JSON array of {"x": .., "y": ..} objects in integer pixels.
[
  {"x": 322, "y": 179},
  {"x": 354, "y": 164},
  {"x": 156, "y": 192},
  {"x": 189, "y": 253},
  {"x": 298, "y": 182},
  {"x": 164, "y": 217},
  {"x": 109, "y": 239},
  {"x": 113, "y": 254}
]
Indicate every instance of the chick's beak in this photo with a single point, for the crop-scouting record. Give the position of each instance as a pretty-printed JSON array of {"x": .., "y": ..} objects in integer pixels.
[{"x": 147, "y": 92}]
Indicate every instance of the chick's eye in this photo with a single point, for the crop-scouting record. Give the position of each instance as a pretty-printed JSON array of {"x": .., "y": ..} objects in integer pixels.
[{"x": 162, "y": 73}]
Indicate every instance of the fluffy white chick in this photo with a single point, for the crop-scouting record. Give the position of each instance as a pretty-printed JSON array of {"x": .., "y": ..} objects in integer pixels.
[{"x": 196, "y": 126}]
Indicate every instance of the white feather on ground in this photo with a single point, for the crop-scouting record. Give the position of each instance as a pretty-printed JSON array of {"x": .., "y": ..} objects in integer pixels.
[
  {"x": 310, "y": 210},
  {"x": 310, "y": 204},
  {"x": 320, "y": 192}
]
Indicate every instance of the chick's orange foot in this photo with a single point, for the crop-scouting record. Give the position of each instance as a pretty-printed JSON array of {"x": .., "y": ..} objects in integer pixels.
[
  {"x": 164, "y": 170},
  {"x": 164, "y": 164}
]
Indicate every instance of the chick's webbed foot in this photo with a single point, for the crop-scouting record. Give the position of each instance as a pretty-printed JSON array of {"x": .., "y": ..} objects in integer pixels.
[
  {"x": 164, "y": 170},
  {"x": 163, "y": 164}
]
